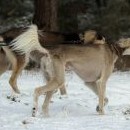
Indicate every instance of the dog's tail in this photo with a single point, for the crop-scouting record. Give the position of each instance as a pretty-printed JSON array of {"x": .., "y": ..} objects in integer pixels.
[{"x": 27, "y": 41}]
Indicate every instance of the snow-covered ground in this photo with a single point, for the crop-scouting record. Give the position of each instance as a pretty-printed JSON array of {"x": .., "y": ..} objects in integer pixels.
[{"x": 76, "y": 111}]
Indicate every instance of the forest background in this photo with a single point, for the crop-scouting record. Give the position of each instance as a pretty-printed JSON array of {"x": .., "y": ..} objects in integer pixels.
[{"x": 109, "y": 17}]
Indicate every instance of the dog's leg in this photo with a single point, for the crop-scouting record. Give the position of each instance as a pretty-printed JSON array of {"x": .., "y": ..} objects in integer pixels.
[
  {"x": 45, "y": 105},
  {"x": 45, "y": 69},
  {"x": 105, "y": 98},
  {"x": 56, "y": 82},
  {"x": 93, "y": 87},
  {"x": 101, "y": 93},
  {"x": 16, "y": 71},
  {"x": 63, "y": 90},
  {"x": 51, "y": 86},
  {"x": 101, "y": 86},
  {"x": 18, "y": 63},
  {"x": 46, "y": 72}
]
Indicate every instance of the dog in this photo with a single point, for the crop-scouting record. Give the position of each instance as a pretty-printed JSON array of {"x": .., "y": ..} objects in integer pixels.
[
  {"x": 93, "y": 63},
  {"x": 46, "y": 38}
]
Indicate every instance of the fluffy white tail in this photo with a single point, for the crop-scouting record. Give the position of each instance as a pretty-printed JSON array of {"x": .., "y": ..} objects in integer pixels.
[{"x": 27, "y": 41}]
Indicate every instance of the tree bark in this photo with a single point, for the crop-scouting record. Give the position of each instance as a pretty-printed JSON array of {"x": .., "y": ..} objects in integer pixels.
[{"x": 45, "y": 15}]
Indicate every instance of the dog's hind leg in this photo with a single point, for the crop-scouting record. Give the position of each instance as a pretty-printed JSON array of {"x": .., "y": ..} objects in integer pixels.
[
  {"x": 57, "y": 81},
  {"x": 14, "y": 61},
  {"x": 51, "y": 86},
  {"x": 45, "y": 106},
  {"x": 45, "y": 69},
  {"x": 17, "y": 68},
  {"x": 18, "y": 63}
]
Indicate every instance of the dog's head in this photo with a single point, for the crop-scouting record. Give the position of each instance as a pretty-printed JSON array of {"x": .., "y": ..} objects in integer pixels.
[
  {"x": 92, "y": 36},
  {"x": 125, "y": 44}
]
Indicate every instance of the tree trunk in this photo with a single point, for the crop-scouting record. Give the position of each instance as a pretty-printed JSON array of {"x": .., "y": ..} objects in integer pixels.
[{"x": 45, "y": 15}]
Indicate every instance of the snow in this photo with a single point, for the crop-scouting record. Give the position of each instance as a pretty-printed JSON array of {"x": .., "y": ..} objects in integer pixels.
[{"x": 76, "y": 111}]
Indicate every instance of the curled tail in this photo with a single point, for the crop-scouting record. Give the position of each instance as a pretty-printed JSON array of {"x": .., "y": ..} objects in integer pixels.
[{"x": 28, "y": 41}]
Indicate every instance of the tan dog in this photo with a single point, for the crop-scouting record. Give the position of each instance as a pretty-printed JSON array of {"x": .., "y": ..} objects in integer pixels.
[
  {"x": 18, "y": 62},
  {"x": 92, "y": 63}
]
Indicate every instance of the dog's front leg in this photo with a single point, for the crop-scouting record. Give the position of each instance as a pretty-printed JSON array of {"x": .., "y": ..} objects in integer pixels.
[{"x": 101, "y": 93}]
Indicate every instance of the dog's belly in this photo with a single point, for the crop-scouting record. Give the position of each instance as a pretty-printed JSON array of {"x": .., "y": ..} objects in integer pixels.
[{"x": 87, "y": 72}]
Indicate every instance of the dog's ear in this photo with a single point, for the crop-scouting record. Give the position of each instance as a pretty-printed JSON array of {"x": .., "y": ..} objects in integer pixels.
[{"x": 127, "y": 51}]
